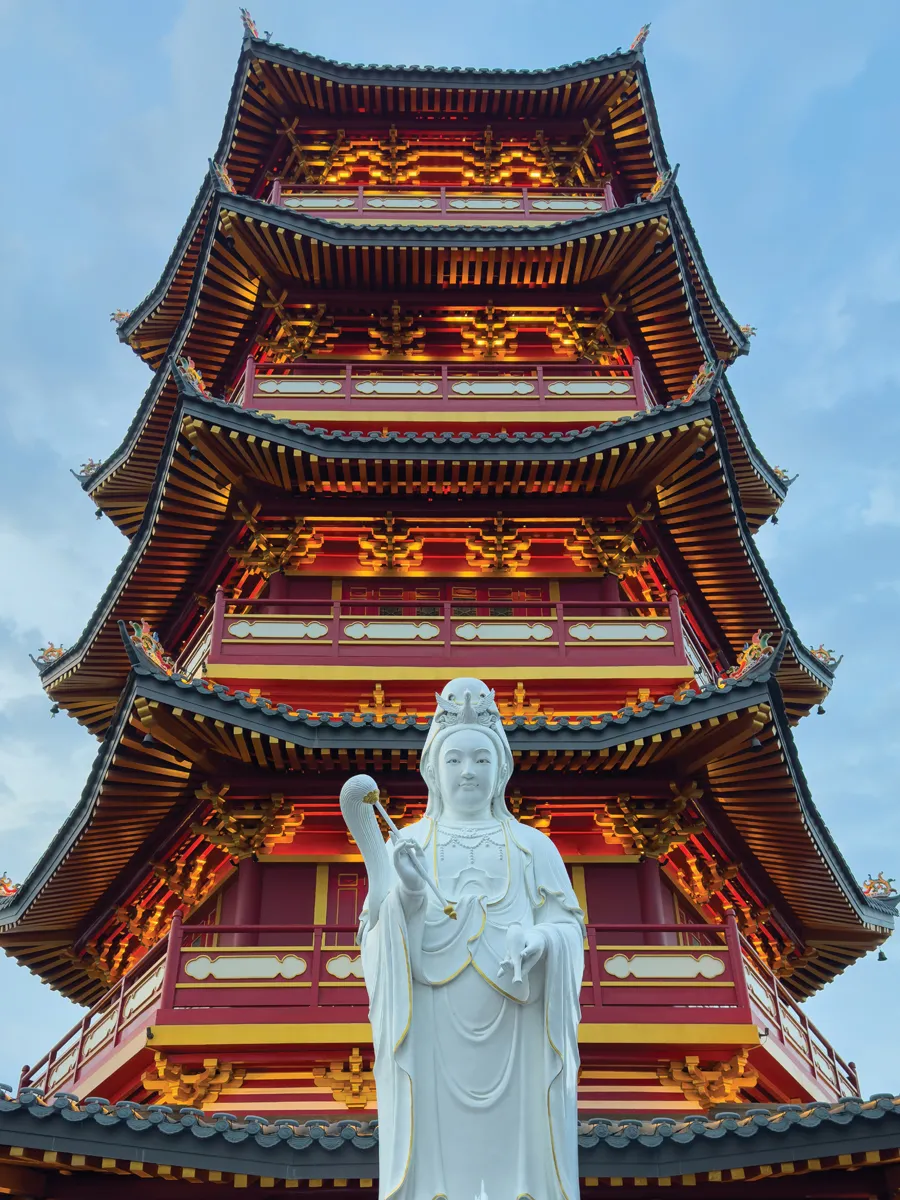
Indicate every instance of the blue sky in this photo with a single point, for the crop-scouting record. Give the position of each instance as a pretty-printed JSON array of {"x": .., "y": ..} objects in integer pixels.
[{"x": 783, "y": 118}]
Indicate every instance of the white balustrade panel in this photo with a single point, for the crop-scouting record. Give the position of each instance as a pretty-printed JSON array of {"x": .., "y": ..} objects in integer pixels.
[{"x": 245, "y": 966}]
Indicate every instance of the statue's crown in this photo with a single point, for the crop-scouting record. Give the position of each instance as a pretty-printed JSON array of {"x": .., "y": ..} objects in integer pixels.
[{"x": 471, "y": 710}]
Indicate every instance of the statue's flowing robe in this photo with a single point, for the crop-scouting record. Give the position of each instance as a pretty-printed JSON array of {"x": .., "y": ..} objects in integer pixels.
[{"x": 476, "y": 1075}]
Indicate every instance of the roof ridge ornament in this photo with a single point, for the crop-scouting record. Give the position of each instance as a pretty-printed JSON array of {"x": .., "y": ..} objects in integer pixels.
[
  {"x": 641, "y": 37},
  {"x": 251, "y": 29},
  {"x": 222, "y": 177}
]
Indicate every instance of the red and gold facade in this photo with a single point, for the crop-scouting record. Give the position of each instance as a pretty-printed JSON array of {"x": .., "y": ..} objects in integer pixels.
[{"x": 439, "y": 390}]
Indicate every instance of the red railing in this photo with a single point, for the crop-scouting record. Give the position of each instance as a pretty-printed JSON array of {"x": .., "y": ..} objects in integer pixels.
[
  {"x": 536, "y": 633},
  {"x": 675, "y": 974},
  {"x": 404, "y": 202},
  {"x": 467, "y": 388},
  {"x": 780, "y": 1017}
]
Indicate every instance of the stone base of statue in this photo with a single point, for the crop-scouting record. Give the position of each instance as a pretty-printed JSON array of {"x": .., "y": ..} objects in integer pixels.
[{"x": 475, "y": 1018}]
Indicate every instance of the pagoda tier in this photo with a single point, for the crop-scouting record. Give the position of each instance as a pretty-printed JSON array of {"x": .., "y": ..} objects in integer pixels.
[
  {"x": 239, "y": 782},
  {"x": 707, "y": 554},
  {"x": 440, "y": 389}
]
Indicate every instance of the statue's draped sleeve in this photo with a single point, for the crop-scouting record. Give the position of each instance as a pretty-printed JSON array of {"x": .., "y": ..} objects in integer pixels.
[
  {"x": 390, "y": 947},
  {"x": 388, "y": 973}
]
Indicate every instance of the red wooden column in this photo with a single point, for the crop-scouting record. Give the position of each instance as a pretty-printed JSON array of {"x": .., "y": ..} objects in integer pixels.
[
  {"x": 248, "y": 893},
  {"x": 654, "y": 910}
]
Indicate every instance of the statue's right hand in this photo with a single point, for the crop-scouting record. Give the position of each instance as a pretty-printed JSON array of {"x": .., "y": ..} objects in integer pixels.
[{"x": 406, "y": 851}]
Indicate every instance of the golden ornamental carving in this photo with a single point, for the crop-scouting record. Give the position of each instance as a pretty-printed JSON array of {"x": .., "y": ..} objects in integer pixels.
[
  {"x": 181, "y": 1085},
  {"x": 393, "y": 160},
  {"x": 721, "y": 1083},
  {"x": 396, "y": 335},
  {"x": 702, "y": 878},
  {"x": 351, "y": 1083},
  {"x": 146, "y": 923},
  {"x": 489, "y": 334},
  {"x": 389, "y": 546},
  {"x": 588, "y": 338},
  {"x": 244, "y": 828},
  {"x": 340, "y": 159},
  {"x": 651, "y": 828},
  {"x": 610, "y": 550},
  {"x": 520, "y": 706},
  {"x": 273, "y": 548},
  {"x": 379, "y": 706},
  {"x": 787, "y": 961},
  {"x": 298, "y": 333},
  {"x": 498, "y": 547},
  {"x": 526, "y": 811},
  {"x": 488, "y": 162},
  {"x": 89, "y": 962},
  {"x": 191, "y": 879}
]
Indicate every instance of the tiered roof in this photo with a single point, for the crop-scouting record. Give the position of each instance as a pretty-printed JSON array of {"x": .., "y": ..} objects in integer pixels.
[
  {"x": 137, "y": 794},
  {"x": 760, "y": 1144}
]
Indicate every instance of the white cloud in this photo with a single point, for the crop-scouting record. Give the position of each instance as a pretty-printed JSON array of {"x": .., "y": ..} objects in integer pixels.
[{"x": 883, "y": 502}]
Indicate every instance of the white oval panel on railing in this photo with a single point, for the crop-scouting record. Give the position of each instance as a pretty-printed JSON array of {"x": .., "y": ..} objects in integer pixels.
[
  {"x": 62, "y": 1069},
  {"x": 483, "y": 204},
  {"x": 397, "y": 387},
  {"x": 100, "y": 1033},
  {"x": 401, "y": 202},
  {"x": 342, "y": 966},
  {"x": 245, "y": 966},
  {"x": 143, "y": 991},
  {"x": 610, "y": 631},
  {"x": 321, "y": 202},
  {"x": 391, "y": 631},
  {"x": 494, "y": 631},
  {"x": 298, "y": 387},
  {"x": 493, "y": 387},
  {"x": 277, "y": 630},
  {"x": 664, "y": 966},
  {"x": 590, "y": 387},
  {"x": 562, "y": 205}
]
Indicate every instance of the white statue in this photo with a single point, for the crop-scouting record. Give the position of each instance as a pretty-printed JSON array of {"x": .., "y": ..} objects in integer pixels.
[{"x": 472, "y": 948}]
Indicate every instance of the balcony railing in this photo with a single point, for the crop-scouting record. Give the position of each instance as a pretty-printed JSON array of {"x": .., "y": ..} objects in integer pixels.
[
  {"x": 409, "y": 204},
  {"x": 607, "y": 634},
  {"x": 461, "y": 393},
  {"x": 635, "y": 974}
]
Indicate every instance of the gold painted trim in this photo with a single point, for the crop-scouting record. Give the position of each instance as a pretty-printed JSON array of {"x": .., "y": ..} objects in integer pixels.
[
  {"x": 486, "y": 417},
  {"x": 637, "y": 1034},
  {"x": 579, "y": 889},
  {"x": 610, "y": 859},
  {"x": 276, "y": 641},
  {"x": 240, "y": 983},
  {"x": 363, "y": 642},
  {"x": 251, "y": 951},
  {"x": 610, "y": 642},
  {"x": 361, "y": 1032},
  {"x": 311, "y": 671},
  {"x": 281, "y": 1034},
  {"x": 652, "y": 949},
  {"x": 669, "y": 983},
  {"x": 320, "y": 905}
]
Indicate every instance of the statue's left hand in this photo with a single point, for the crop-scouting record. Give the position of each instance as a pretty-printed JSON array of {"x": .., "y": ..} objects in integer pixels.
[{"x": 524, "y": 947}]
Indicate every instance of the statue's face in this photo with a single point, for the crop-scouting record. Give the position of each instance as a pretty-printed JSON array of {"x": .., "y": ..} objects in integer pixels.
[{"x": 466, "y": 772}]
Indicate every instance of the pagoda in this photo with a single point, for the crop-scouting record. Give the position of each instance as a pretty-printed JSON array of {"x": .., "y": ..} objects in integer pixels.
[{"x": 439, "y": 388}]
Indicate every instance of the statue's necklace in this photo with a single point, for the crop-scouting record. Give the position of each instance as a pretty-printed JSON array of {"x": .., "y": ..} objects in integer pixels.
[{"x": 470, "y": 838}]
